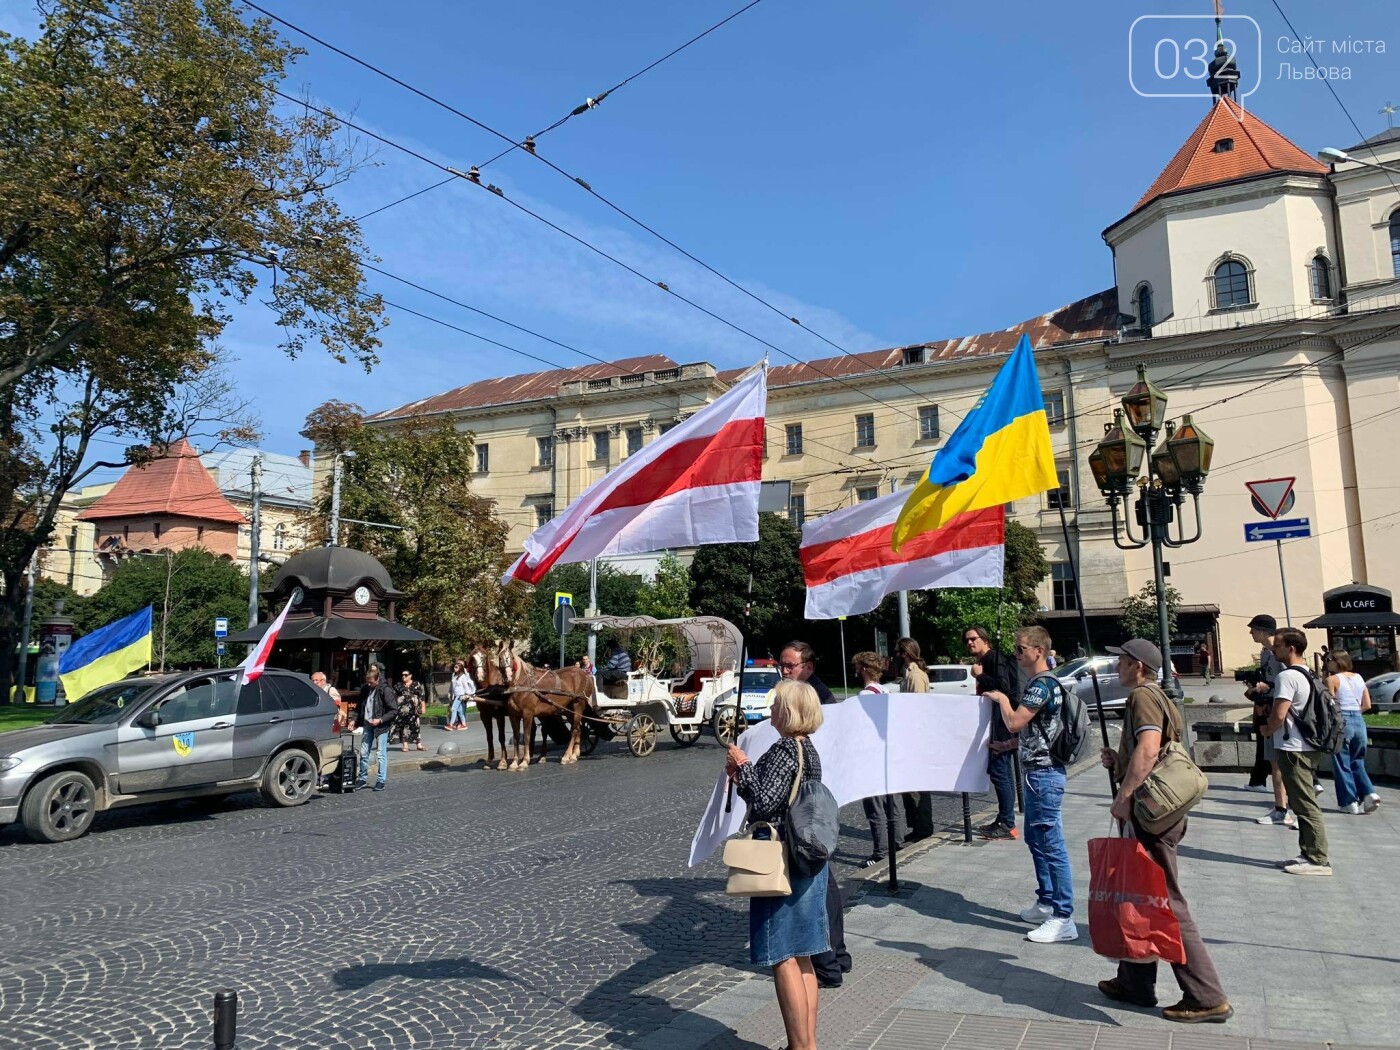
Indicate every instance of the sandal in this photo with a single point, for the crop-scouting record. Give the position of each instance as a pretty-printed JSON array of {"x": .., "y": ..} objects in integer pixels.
[
  {"x": 420, "y": 748},
  {"x": 404, "y": 748}
]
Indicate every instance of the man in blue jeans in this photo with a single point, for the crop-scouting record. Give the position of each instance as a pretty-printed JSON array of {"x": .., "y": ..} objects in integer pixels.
[
  {"x": 1040, "y": 720},
  {"x": 377, "y": 713}
]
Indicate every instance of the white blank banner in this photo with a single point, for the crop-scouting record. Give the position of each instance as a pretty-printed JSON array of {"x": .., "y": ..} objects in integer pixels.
[{"x": 873, "y": 744}]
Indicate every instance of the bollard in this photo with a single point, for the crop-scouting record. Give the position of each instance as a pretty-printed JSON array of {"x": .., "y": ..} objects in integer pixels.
[
  {"x": 889, "y": 841},
  {"x": 967, "y": 818},
  {"x": 225, "y": 1019}
]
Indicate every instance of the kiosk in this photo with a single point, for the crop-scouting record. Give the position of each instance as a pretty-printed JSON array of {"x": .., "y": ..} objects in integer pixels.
[{"x": 1360, "y": 622}]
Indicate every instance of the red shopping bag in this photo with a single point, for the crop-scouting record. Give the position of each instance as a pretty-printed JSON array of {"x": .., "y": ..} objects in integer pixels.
[{"x": 1130, "y": 916}]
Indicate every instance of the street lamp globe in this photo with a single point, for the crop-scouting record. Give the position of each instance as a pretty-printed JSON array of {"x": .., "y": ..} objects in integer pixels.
[
  {"x": 1191, "y": 450},
  {"x": 1145, "y": 404},
  {"x": 1123, "y": 451},
  {"x": 1162, "y": 463},
  {"x": 1098, "y": 466}
]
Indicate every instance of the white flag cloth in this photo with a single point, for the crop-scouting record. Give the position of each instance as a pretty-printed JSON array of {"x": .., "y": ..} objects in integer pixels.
[
  {"x": 696, "y": 484},
  {"x": 873, "y": 744},
  {"x": 253, "y": 664},
  {"x": 849, "y": 567}
]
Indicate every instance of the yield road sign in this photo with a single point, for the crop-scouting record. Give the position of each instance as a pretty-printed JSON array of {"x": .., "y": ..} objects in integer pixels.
[
  {"x": 1271, "y": 495},
  {"x": 1285, "y": 529}
]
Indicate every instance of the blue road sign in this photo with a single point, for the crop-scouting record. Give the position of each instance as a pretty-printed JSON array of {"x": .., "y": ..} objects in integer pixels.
[
  {"x": 221, "y": 627},
  {"x": 1284, "y": 529}
]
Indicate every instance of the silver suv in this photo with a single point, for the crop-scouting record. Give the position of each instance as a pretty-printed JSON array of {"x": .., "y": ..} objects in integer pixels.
[{"x": 171, "y": 737}]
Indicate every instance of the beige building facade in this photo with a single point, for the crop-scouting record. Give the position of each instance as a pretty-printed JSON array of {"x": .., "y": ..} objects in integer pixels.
[{"x": 1257, "y": 284}]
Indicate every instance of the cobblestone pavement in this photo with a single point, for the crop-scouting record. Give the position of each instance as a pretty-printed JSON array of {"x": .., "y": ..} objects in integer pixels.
[{"x": 462, "y": 908}]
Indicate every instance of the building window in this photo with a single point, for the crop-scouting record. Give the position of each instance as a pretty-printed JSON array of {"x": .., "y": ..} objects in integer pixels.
[
  {"x": 1060, "y": 497},
  {"x": 797, "y": 510},
  {"x": 794, "y": 439},
  {"x": 1054, "y": 407},
  {"x": 543, "y": 513},
  {"x": 865, "y": 431},
  {"x": 1232, "y": 285},
  {"x": 912, "y": 355},
  {"x": 634, "y": 440},
  {"x": 600, "y": 446},
  {"x": 279, "y": 537},
  {"x": 666, "y": 428},
  {"x": 867, "y": 493},
  {"x": 928, "y": 423},
  {"x": 1064, "y": 594},
  {"x": 1147, "y": 316},
  {"x": 544, "y": 451},
  {"x": 483, "y": 459},
  {"x": 1320, "y": 277},
  {"x": 1395, "y": 244},
  {"x": 156, "y": 530}
]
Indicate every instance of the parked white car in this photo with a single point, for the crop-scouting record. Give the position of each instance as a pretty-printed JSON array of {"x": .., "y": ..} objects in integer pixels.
[
  {"x": 756, "y": 693},
  {"x": 952, "y": 678},
  {"x": 1384, "y": 688}
]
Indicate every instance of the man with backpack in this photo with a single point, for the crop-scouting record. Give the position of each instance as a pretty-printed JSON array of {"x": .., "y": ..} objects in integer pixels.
[
  {"x": 1053, "y": 724},
  {"x": 1305, "y": 724}
]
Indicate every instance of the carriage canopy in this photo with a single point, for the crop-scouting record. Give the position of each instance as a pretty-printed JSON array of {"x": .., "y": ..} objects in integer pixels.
[{"x": 712, "y": 641}]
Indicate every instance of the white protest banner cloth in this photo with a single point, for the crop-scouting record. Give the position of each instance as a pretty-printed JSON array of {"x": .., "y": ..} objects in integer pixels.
[
  {"x": 696, "y": 484},
  {"x": 849, "y": 567},
  {"x": 873, "y": 744}
]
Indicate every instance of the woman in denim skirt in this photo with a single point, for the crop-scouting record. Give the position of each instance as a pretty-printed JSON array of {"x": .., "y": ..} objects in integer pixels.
[{"x": 785, "y": 932}]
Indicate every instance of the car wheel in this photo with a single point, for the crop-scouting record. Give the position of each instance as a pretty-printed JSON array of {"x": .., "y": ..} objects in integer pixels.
[
  {"x": 60, "y": 807},
  {"x": 290, "y": 778}
]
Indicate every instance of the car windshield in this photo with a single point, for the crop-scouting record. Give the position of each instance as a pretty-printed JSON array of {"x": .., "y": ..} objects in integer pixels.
[
  {"x": 106, "y": 705},
  {"x": 756, "y": 681}
]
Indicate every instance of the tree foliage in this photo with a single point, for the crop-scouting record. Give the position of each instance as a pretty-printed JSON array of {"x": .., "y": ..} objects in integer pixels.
[
  {"x": 448, "y": 551},
  {"x": 619, "y": 594},
  {"x": 1138, "y": 617},
  {"x": 720, "y": 576},
  {"x": 668, "y": 596}
]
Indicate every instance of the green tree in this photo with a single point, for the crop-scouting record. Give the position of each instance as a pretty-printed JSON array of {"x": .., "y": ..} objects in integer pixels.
[
  {"x": 1138, "y": 617},
  {"x": 619, "y": 594},
  {"x": 1026, "y": 567},
  {"x": 720, "y": 576},
  {"x": 447, "y": 553},
  {"x": 668, "y": 596},
  {"x": 187, "y": 590}
]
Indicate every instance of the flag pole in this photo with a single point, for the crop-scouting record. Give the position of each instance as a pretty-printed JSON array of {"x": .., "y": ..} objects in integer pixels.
[{"x": 1084, "y": 629}]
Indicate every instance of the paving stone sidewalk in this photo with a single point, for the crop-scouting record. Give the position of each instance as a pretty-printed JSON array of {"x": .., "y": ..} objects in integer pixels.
[{"x": 1306, "y": 962}]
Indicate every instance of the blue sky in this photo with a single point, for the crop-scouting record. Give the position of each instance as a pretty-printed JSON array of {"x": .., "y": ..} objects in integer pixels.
[{"x": 888, "y": 171}]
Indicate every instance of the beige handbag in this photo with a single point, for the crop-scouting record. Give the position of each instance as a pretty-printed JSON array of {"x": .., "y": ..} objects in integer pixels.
[{"x": 759, "y": 867}]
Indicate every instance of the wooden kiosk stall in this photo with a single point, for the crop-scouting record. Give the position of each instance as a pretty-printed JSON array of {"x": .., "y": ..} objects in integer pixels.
[{"x": 1360, "y": 621}]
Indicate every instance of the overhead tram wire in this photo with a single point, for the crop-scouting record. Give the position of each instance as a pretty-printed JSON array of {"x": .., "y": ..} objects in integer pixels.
[{"x": 529, "y": 147}]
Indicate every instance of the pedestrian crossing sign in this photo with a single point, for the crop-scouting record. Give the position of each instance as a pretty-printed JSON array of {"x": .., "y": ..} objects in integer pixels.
[{"x": 563, "y": 598}]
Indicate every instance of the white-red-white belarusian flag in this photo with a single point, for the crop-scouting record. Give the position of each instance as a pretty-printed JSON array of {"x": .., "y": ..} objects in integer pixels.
[
  {"x": 696, "y": 484},
  {"x": 849, "y": 566},
  {"x": 253, "y": 664}
]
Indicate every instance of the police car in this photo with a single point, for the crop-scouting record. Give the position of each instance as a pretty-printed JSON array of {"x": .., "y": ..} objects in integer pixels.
[{"x": 756, "y": 690}]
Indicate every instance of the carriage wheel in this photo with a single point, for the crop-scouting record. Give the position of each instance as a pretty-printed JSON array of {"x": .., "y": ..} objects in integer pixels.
[
  {"x": 726, "y": 725},
  {"x": 685, "y": 735},
  {"x": 588, "y": 739},
  {"x": 641, "y": 735}
]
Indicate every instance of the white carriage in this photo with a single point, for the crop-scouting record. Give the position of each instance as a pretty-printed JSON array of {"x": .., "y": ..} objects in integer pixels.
[{"x": 685, "y": 670}]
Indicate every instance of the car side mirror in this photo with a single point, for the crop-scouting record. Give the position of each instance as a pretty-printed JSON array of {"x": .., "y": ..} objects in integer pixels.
[
  {"x": 1079, "y": 676},
  {"x": 148, "y": 719}
]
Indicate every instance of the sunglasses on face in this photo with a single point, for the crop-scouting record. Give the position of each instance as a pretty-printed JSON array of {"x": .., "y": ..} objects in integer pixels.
[{"x": 1025, "y": 648}]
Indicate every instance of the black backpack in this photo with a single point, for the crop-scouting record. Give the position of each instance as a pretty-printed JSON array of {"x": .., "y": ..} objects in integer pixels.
[
  {"x": 813, "y": 824},
  {"x": 1320, "y": 721},
  {"x": 1073, "y": 742}
]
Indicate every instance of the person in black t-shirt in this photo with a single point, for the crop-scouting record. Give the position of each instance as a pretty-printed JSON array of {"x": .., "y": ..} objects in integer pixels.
[{"x": 1001, "y": 675}]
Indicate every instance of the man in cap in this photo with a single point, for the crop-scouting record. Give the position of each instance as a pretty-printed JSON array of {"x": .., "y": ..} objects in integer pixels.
[
  {"x": 1150, "y": 722},
  {"x": 1262, "y": 629}
]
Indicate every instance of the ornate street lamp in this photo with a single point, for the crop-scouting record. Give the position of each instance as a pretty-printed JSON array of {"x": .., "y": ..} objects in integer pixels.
[{"x": 1175, "y": 470}]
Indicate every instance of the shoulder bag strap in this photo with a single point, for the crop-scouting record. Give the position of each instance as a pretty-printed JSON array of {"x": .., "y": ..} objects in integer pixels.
[
  {"x": 797, "y": 780},
  {"x": 1173, "y": 717},
  {"x": 1036, "y": 720}
]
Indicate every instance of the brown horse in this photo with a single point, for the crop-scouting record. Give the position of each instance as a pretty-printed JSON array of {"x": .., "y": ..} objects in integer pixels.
[
  {"x": 493, "y": 703},
  {"x": 539, "y": 694}
]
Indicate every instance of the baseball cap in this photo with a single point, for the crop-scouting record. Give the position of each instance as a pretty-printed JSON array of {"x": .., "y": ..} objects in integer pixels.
[
  {"x": 1263, "y": 622},
  {"x": 1139, "y": 649}
]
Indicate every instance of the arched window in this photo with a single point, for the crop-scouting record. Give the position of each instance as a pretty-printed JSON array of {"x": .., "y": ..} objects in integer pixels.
[
  {"x": 1321, "y": 277},
  {"x": 1232, "y": 285},
  {"x": 279, "y": 537},
  {"x": 1395, "y": 243},
  {"x": 1145, "y": 313}
]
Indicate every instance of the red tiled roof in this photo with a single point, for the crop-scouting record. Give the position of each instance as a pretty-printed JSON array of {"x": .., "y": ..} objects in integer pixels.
[
  {"x": 1084, "y": 320},
  {"x": 1257, "y": 149},
  {"x": 529, "y": 387},
  {"x": 177, "y": 484}
]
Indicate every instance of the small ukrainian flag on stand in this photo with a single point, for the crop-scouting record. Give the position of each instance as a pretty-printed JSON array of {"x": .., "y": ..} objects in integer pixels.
[
  {"x": 1000, "y": 452},
  {"x": 106, "y": 655}
]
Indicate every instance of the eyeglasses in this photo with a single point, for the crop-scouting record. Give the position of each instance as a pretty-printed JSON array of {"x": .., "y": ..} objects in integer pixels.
[
  {"x": 972, "y": 638},
  {"x": 1026, "y": 648},
  {"x": 791, "y": 667}
]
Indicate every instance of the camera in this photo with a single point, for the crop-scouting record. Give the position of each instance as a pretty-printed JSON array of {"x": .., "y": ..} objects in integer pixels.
[{"x": 1250, "y": 676}]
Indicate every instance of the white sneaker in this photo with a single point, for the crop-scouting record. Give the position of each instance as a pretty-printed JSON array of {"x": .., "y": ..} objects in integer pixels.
[
  {"x": 1278, "y": 816},
  {"x": 1370, "y": 802},
  {"x": 1053, "y": 930},
  {"x": 1351, "y": 807},
  {"x": 1257, "y": 787},
  {"x": 1307, "y": 867},
  {"x": 1038, "y": 913},
  {"x": 1317, "y": 787},
  {"x": 1299, "y": 859}
]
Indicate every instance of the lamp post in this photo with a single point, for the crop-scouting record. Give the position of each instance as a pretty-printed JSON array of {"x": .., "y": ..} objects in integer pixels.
[
  {"x": 1162, "y": 479},
  {"x": 1332, "y": 155}
]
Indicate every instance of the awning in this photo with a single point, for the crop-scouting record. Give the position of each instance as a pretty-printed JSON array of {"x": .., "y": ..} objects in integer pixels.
[
  {"x": 336, "y": 629},
  {"x": 1380, "y": 621}
]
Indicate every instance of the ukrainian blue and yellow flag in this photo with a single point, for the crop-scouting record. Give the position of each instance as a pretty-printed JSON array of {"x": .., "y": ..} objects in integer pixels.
[
  {"x": 1000, "y": 452},
  {"x": 106, "y": 655}
]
